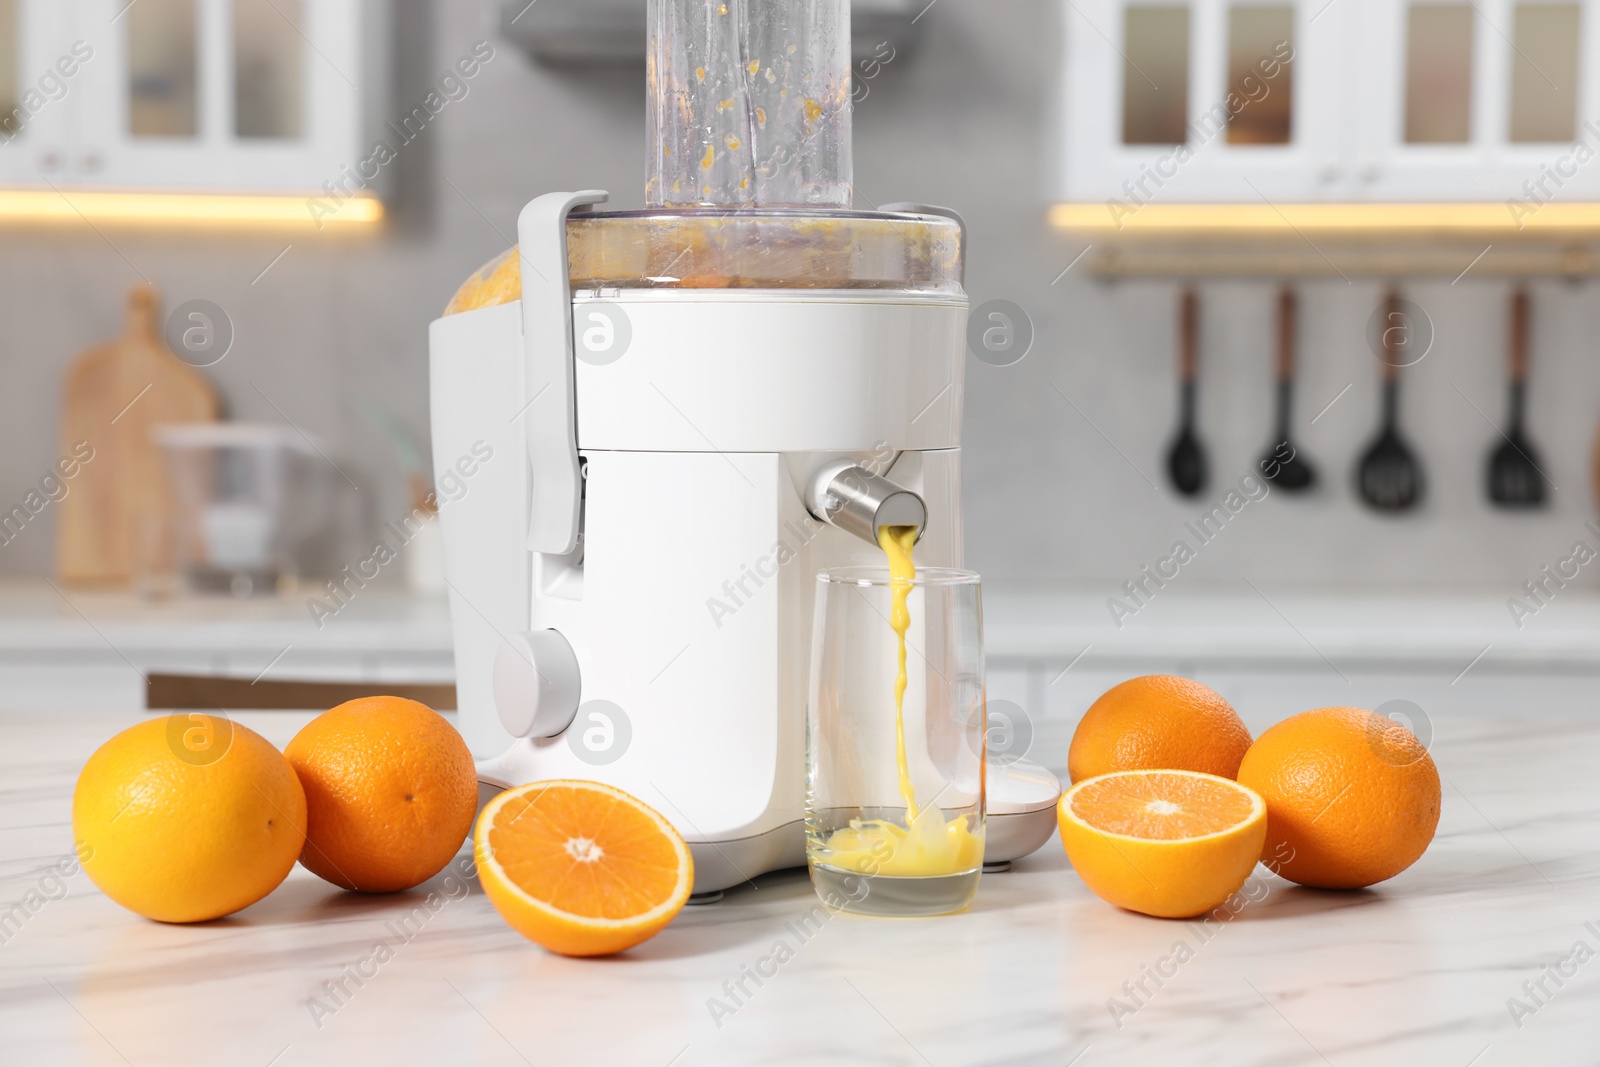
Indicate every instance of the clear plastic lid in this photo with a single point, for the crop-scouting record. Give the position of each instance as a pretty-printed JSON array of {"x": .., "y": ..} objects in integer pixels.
[{"x": 741, "y": 249}]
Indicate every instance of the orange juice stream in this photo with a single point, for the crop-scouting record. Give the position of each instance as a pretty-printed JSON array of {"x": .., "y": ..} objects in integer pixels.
[
  {"x": 927, "y": 846},
  {"x": 896, "y": 542}
]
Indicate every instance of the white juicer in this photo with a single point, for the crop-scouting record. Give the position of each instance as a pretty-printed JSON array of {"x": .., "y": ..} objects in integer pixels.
[{"x": 685, "y": 417}]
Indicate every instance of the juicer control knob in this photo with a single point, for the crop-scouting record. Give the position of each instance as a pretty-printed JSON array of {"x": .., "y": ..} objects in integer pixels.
[
  {"x": 536, "y": 684},
  {"x": 858, "y": 502}
]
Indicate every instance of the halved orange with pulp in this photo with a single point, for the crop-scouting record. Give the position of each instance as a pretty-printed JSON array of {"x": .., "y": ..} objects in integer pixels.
[
  {"x": 1167, "y": 843},
  {"x": 581, "y": 868}
]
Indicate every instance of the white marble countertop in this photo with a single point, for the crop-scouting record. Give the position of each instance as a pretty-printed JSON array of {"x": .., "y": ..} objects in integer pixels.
[{"x": 1417, "y": 971}]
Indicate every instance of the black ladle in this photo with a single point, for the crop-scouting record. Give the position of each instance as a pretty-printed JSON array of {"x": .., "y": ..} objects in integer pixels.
[
  {"x": 1389, "y": 477},
  {"x": 1283, "y": 464},
  {"x": 1515, "y": 480},
  {"x": 1186, "y": 461}
]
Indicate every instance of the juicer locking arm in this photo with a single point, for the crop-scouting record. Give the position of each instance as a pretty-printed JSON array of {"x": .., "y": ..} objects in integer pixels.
[
  {"x": 552, "y": 429},
  {"x": 858, "y": 502}
]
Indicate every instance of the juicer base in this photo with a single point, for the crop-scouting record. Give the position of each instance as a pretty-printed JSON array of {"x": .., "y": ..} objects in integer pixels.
[
  {"x": 1011, "y": 837},
  {"x": 725, "y": 864}
]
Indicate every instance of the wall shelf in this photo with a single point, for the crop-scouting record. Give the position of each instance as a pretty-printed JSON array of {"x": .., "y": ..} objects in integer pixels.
[{"x": 1574, "y": 263}]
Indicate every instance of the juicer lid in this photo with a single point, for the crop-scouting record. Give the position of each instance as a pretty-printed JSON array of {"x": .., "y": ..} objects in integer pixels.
[
  {"x": 910, "y": 248},
  {"x": 765, "y": 248},
  {"x": 699, "y": 212}
]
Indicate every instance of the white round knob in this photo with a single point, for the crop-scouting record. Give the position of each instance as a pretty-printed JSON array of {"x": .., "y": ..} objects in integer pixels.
[{"x": 536, "y": 684}]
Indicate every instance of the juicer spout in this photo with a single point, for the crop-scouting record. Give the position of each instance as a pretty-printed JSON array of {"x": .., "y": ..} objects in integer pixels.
[{"x": 858, "y": 501}]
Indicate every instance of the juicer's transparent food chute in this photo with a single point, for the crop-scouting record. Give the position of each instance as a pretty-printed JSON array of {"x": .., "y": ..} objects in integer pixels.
[
  {"x": 700, "y": 145},
  {"x": 749, "y": 103}
]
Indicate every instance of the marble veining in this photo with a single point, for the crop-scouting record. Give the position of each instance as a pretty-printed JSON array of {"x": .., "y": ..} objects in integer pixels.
[{"x": 1427, "y": 969}]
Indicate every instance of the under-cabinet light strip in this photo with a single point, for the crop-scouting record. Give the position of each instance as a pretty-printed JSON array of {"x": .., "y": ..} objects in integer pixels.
[
  {"x": 185, "y": 208},
  {"x": 1488, "y": 218}
]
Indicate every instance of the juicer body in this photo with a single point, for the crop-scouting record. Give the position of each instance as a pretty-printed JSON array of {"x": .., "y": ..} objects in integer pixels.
[{"x": 683, "y": 601}]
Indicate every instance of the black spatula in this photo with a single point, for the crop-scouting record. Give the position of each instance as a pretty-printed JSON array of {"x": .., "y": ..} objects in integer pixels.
[
  {"x": 1283, "y": 463},
  {"x": 1186, "y": 461},
  {"x": 1389, "y": 477},
  {"x": 1515, "y": 480}
]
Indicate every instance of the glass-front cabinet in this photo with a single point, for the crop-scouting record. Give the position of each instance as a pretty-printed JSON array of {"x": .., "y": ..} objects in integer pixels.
[
  {"x": 37, "y": 70},
  {"x": 1332, "y": 101},
  {"x": 1468, "y": 100},
  {"x": 188, "y": 95},
  {"x": 1203, "y": 101}
]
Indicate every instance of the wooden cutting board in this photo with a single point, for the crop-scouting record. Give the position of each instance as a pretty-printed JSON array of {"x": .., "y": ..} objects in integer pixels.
[{"x": 116, "y": 519}]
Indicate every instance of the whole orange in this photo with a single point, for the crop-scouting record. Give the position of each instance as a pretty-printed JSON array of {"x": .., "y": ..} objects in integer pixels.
[
  {"x": 1352, "y": 797},
  {"x": 1157, "y": 723},
  {"x": 187, "y": 817},
  {"x": 390, "y": 793}
]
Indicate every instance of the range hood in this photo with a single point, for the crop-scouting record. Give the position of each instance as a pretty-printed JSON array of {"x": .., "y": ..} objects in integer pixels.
[{"x": 608, "y": 32}]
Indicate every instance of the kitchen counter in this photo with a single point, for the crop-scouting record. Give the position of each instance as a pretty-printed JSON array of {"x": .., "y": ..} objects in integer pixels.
[
  {"x": 1050, "y": 650},
  {"x": 72, "y": 650},
  {"x": 1421, "y": 970},
  {"x": 1330, "y": 629}
]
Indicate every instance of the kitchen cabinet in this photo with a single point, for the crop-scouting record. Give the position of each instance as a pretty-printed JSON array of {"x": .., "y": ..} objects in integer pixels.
[
  {"x": 1207, "y": 101},
  {"x": 33, "y": 113},
  {"x": 1349, "y": 101},
  {"x": 196, "y": 96},
  {"x": 1458, "y": 101}
]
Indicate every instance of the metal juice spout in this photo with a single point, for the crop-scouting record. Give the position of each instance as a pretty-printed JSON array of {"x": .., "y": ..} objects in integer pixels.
[{"x": 858, "y": 501}]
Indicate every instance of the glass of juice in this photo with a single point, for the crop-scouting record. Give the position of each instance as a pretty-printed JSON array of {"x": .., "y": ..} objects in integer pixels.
[{"x": 895, "y": 740}]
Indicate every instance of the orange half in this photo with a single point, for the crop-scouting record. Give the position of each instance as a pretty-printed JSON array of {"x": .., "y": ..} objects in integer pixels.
[
  {"x": 581, "y": 868},
  {"x": 1168, "y": 843}
]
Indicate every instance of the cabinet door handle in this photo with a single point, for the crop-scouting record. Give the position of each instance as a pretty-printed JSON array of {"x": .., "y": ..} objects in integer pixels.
[
  {"x": 49, "y": 160},
  {"x": 92, "y": 161}
]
